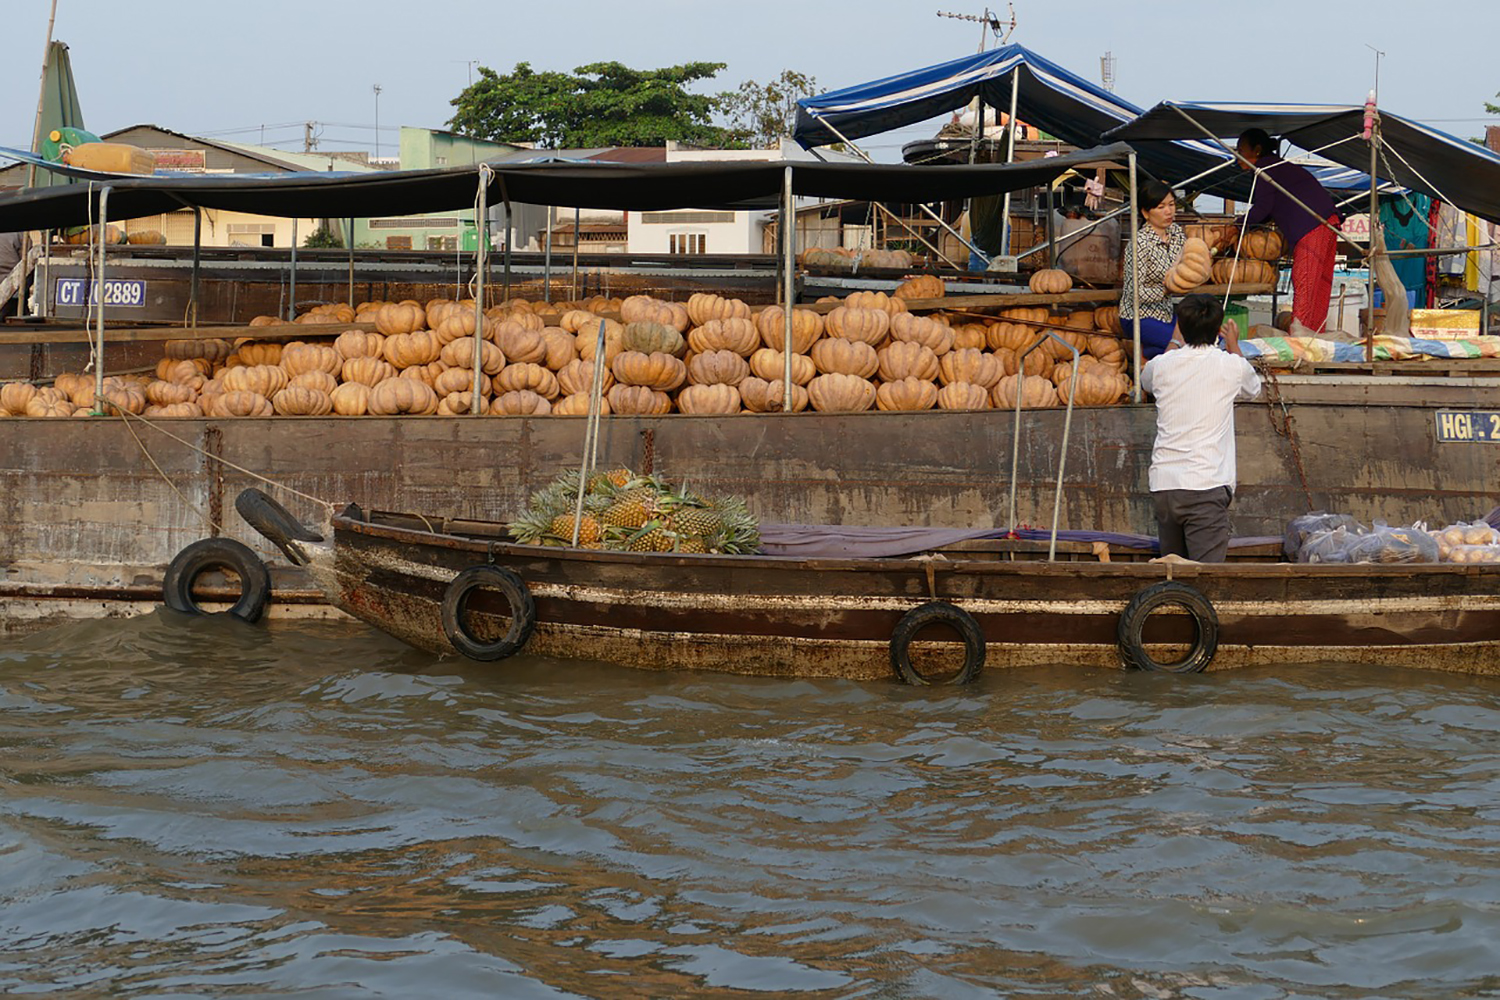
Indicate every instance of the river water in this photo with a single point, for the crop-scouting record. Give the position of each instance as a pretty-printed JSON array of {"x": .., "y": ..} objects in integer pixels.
[{"x": 195, "y": 807}]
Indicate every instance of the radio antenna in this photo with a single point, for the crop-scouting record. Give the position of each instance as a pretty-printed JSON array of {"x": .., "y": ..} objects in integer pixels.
[{"x": 991, "y": 25}]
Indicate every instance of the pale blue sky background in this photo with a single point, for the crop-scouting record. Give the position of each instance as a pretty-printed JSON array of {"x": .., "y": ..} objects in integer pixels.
[{"x": 214, "y": 67}]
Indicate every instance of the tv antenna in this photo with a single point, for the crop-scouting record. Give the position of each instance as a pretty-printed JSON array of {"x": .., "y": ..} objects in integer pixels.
[
  {"x": 992, "y": 25},
  {"x": 1378, "y": 55},
  {"x": 1107, "y": 71}
]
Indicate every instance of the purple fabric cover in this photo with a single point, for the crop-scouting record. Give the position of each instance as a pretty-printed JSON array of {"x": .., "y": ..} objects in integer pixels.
[{"x": 838, "y": 541}]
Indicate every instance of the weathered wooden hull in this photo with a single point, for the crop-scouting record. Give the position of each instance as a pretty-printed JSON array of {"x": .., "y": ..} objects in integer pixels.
[{"x": 834, "y": 618}]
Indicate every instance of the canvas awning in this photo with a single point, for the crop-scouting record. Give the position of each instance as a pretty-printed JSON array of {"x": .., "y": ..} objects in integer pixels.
[
  {"x": 1413, "y": 155},
  {"x": 632, "y": 187}
]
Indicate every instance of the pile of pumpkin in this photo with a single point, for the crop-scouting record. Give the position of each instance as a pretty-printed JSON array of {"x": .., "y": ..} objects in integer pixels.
[
  {"x": 1253, "y": 264},
  {"x": 841, "y": 259},
  {"x": 710, "y": 355}
]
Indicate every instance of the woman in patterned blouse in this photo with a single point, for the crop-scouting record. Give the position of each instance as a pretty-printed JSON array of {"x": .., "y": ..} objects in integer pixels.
[{"x": 1158, "y": 244}]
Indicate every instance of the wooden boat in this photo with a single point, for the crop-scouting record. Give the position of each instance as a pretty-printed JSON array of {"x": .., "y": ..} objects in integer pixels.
[{"x": 434, "y": 582}]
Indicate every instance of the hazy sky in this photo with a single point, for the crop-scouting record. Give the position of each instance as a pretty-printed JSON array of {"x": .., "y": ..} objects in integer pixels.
[{"x": 211, "y": 67}]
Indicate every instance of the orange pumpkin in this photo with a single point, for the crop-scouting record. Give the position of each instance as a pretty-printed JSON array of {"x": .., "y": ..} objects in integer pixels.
[
  {"x": 907, "y": 359},
  {"x": 460, "y": 354},
  {"x": 923, "y": 286},
  {"x": 1192, "y": 269},
  {"x": 906, "y": 394},
  {"x": 300, "y": 358},
  {"x": 656, "y": 371},
  {"x": 875, "y": 300},
  {"x": 359, "y": 344},
  {"x": 526, "y": 375},
  {"x": 921, "y": 330},
  {"x": 460, "y": 380},
  {"x": 838, "y": 393},
  {"x": 1244, "y": 272},
  {"x": 703, "y": 307},
  {"x": 520, "y": 403},
  {"x": 1262, "y": 244},
  {"x": 366, "y": 370},
  {"x": 972, "y": 335},
  {"x": 264, "y": 380},
  {"x": 770, "y": 365},
  {"x": 459, "y": 404},
  {"x": 240, "y": 404},
  {"x": 352, "y": 399},
  {"x": 296, "y": 401},
  {"x": 1094, "y": 385},
  {"x": 971, "y": 366},
  {"x": 718, "y": 368},
  {"x": 1051, "y": 282},
  {"x": 1036, "y": 392},
  {"x": 578, "y": 377},
  {"x": 254, "y": 352},
  {"x": 807, "y": 326},
  {"x": 1011, "y": 336},
  {"x": 1107, "y": 318},
  {"x": 561, "y": 348},
  {"x": 577, "y": 405},
  {"x": 14, "y": 396},
  {"x": 401, "y": 396},
  {"x": 158, "y": 393},
  {"x": 519, "y": 344},
  {"x": 736, "y": 334},
  {"x": 845, "y": 357},
  {"x": 963, "y": 396},
  {"x": 404, "y": 350},
  {"x": 177, "y": 410},
  {"x": 716, "y": 398},
  {"x": 767, "y": 396},
  {"x": 209, "y": 350},
  {"x": 400, "y": 317},
  {"x": 319, "y": 381},
  {"x": 868, "y": 326},
  {"x": 639, "y": 399}
]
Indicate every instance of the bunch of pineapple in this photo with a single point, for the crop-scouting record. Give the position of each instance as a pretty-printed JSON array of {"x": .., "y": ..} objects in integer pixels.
[{"x": 632, "y": 513}]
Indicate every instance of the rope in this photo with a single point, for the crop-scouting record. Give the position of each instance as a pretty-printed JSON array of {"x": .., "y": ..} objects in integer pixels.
[
  {"x": 88, "y": 302},
  {"x": 1244, "y": 226},
  {"x": 168, "y": 479},
  {"x": 237, "y": 468}
]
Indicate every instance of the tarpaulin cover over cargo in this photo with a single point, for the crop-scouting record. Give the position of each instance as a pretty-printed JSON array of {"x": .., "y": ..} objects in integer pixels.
[
  {"x": 1422, "y": 158},
  {"x": 1057, "y": 101},
  {"x": 633, "y": 187}
]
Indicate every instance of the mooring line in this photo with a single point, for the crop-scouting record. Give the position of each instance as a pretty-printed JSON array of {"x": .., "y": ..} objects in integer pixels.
[{"x": 168, "y": 479}]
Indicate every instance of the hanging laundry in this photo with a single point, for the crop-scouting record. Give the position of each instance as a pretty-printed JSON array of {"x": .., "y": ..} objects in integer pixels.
[{"x": 1404, "y": 219}]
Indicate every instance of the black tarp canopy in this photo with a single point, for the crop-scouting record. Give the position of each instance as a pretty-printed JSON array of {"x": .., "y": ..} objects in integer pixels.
[
  {"x": 631, "y": 187},
  {"x": 1413, "y": 155}
]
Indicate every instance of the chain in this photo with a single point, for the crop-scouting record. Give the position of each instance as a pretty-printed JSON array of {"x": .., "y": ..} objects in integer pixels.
[{"x": 1285, "y": 426}]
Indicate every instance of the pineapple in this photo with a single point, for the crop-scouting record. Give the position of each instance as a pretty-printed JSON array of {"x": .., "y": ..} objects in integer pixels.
[
  {"x": 589, "y": 530},
  {"x": 626, "y": 514},
  {"x": 652, "y": 537},
  {"x": 699, "y": 521},
  {"x": 692, "y": 545}
]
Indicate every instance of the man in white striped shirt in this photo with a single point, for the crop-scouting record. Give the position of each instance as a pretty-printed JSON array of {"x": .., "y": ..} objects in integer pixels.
[{"x": 1192, "y": 474}]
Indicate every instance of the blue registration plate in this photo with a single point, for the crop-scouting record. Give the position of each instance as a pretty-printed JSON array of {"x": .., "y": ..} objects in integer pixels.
[
  {"x": 1462, "y": 426},
  {"x": 129, "y": 292}
]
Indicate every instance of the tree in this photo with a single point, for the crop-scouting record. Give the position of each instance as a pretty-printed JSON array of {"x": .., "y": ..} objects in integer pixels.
[
  {"x": 1493, "y": 109},
  {"x": 602, "y": 104},
  {"x": 323, "y": 238},
  {"x": 759, "y": 114}
]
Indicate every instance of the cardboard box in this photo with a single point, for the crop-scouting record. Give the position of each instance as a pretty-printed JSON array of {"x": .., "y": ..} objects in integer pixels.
[{"x": 1445, "y": 324}]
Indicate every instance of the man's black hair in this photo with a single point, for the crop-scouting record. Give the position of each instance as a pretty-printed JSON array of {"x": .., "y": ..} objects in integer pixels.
[
  {"x": 1258, "y": 138},
  {"x": 1153, "y": 193},
  {"x": 1199, "y": 318}
]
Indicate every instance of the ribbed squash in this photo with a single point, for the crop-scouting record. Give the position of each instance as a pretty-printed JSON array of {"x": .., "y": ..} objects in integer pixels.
[
  {"x": 520, "y": 403},
  {"x": 352, "y": 399},
  {"x": 296, "y": 401},
  {"x": 561, "y": 348},
  {"x": 240, "y": 404},
  {"x": 265, "y": 321},
  {"x": 1262, "y": 244},
  {"x": 359, "y": 344},
  {"x": 460, "y": 354},
  {"x": 459, "y": 323},
  {"x": 1244, "y": 272},
  {"x": 254, "y": 352},
  {"x": 212, "y": 350},
  {"x": 717, "y": 398},
  {"x": 518, "y": 344},
  {"x": 1109, "y": 351},
  {"x": 845, "y": 357},
  {"x": 1051, "y": 282},
  {"x": 587, "y": 339},
  {"x": 400, "y": 317},
  {"x": 171, "y": 410},
  {"x": 56, "y": 408},
  {"x": 963, "y": 396},
  {"x": 1038, "y": 362},
  {"x": 703, "y": 307},
  {"x": 14, "y": 397},
  {"x": 837, "y": 393},
  {"x": 972, "y": 366},
  {"x": 868, "y": 326},
  {"x": 972, "y": 335},
  {"x": 460, "y": 379},
  {"x": 436, "y": 310},
  {"x": 578, "y": 377},
  {"x": 526, "y": 376},
  {"x": 577, "y": 320},
  {"x": 807, "y": 326},
  {"x": 1192, "y": 269},
  {"x": 717, "y": 368},
  {"x": 737, "y": 334},
  {"x": 923, "y": 286},
  {"x": 121, "y": 395},
  {"x": 158, "y": 393},
  {"x": 875, "y": 300},
  {"x": 1079, "y": 320},
  {"x": 264, "y": 380},
  {"x": 369, "y": 371},
  {"x": 655, "y": 371},
  {"x": 1037, "y": 392},
  {"x": 1107, "y": 318},
  {"x": 770, "y": 365},
  {"x": 1057, "y": 350},
  {"x": 403, "y": 350},
  {"x": 906, "y": 394},
  {"x": 1010, "y": 336},
  {"x": 767, "y": 396},
  {"x": 645, "y": 309},
  {"x": 907, "y": 359},
  {"x": 652, "y": 338},
  {"x": 459, "y": 404},
  {"x": 577, "y": 405},
  {"x": 638, "y": 399},
  {"x": 1094, "y": 385},
  {"x": 921, "y": 330},
  {"x": 300, "y": 358},
  {"x": 401, "y": 396},
  {"x": 189, "y": 372},
  {"x": 319, "y": 381}
]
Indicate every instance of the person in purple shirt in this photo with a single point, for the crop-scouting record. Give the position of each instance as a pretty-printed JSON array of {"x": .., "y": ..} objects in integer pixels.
[{"x": 1313, "y": 244}]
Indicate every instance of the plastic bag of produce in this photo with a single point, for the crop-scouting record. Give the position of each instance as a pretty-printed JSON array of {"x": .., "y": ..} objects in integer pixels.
[
  {"x": 1463, "y": 534},
  {"x": 1406, "y": 544},
  {"x": 1302, "y": 528},
  {"x": 1329, "y": 546},
  {"x": 1473, "y": 554}
]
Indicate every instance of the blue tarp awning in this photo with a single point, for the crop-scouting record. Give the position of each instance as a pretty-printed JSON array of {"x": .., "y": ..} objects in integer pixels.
[{"x": 1414, "y": 155}]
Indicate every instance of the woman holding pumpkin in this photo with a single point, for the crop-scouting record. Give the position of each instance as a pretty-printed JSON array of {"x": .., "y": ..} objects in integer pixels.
[{"x": 1158, "y": 246}]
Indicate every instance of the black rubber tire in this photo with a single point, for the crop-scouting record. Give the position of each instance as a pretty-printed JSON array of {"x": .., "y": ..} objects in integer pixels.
[
  {"x": 937, "y": 613},
  {"x": 218, "y": 553},
  {"x": 263, "y": 513},
  {"x": 1133, "y": 622},
  {"x": 522, "y": 612}
]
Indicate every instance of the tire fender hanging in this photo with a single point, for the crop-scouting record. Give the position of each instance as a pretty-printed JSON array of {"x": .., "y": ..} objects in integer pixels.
[
  {"x": 937, "y": 613},
  {"x": 1132, "y": 624},
  {"x": 517, "y": 595},
  {"x": 218, "y": 553}
]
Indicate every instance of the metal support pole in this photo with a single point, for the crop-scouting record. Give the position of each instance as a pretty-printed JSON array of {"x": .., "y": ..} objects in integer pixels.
[
  {"x": 506, "y": 296},
  {"x": 46, "y": 285},
  {"x": 482, "y": 230},
  {"x": 349, "y": 237},
  {"x": 197, "y": 263},
  {"x": 577, "y": 239},
  {"x": 789, "y": 282},
  {"x": 1375, "y": 231},
  {"x": 1135, "y": 279},
  {"x": 1051, "y": 226},
  {"x": 291, "y": 305},
  {"x": 547, "y": 260},
  {"x": 1010, "y": 157},
  {"x": 97, "y": 292}
]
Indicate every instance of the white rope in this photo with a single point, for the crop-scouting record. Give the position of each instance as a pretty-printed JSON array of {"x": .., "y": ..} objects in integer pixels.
[
  {"x": 481, "y": 227},
  {"x": 168, "y": 479},
  {"x": 1244, "y": 226},
  {"x": 127, "y": 416},
  {"x": 89, "y": 289}
]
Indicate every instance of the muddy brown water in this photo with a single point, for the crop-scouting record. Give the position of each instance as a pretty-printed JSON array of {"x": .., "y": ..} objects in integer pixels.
[{"x": 194, "y": 807}]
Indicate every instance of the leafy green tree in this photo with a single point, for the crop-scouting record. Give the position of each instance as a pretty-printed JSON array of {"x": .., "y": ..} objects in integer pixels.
[
  {"x": 759, "y": 114},
  {"x": 1493, "y": 109},
  {"x": 323, "y": 238},
  {"x": 601, "y": 104}
]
